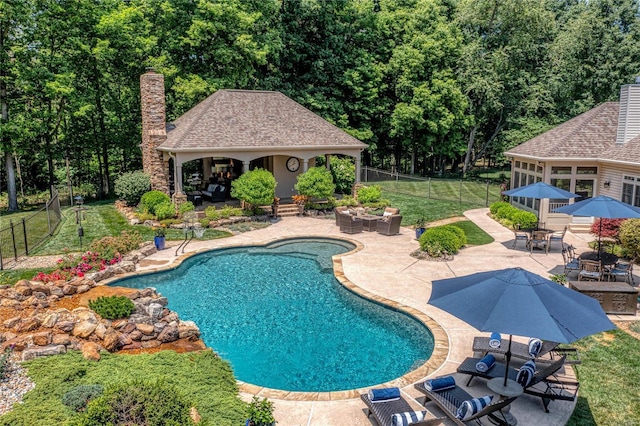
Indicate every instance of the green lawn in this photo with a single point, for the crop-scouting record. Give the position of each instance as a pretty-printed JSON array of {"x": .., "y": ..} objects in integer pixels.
[
  {"x": 412, "y": 208},
  {"x": 102, "y": 219},
  {"x": 467, "y": 192},
  {"x": 475, "y": 235},
  {"x": 202, "y": 377}
]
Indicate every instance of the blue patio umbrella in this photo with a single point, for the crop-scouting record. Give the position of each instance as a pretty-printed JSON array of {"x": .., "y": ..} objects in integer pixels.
[
  {"x": 602, "y": 207},
  {"x": 540, "y": 190},
  {"x": 515, "y": 301}
]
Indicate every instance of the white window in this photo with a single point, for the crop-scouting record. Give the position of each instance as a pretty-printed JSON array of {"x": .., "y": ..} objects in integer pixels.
[{"x": 631, "y": 190}]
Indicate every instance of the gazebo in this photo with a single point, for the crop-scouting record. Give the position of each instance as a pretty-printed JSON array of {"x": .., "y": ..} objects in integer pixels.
[{"x": 234, "y": 131}]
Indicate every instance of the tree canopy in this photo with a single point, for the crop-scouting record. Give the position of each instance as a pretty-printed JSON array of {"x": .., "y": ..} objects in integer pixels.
[{"x": 431, "y": 85}]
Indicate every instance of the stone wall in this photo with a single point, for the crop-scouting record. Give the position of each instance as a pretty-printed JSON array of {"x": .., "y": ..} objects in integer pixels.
[{"x": 154, "y": 130}]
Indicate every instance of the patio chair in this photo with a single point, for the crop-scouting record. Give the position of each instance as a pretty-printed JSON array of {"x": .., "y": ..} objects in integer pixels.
[
  {"x": 622, "y": 269},
  {"x": 383, "y": 411},
  {"x": 543, "y": 384},
  {"x": 449, "y": 400},
  {"x": 390, "y": 210},
  {"x": 569, "y": 263},
  {"x": 389, "y": 225},
  {"x": 537, "y": 238},
  {"x": 339, "y": 209},
  {"x": 590, "y": 270},
  {"x": 518, "y": 350},
  {"x": 519, "y": 235},
  {"x": 555, "y": 237},
  {"x": 350, "y": 224}
]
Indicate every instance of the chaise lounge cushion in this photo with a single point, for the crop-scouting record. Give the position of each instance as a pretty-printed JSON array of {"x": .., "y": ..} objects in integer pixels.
[
  {"x": 408, "y": 418},
  {"x": 471, "y": 407}
]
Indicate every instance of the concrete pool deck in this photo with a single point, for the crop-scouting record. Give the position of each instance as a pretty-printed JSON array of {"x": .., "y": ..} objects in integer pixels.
[{"x": 384, "y": 268}]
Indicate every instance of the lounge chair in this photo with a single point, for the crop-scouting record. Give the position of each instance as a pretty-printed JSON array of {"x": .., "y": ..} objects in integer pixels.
[
  {"x": 550, "y": 350},
  {"x": 384, "y": 410},
  {"x": 543, "y": 377},
  {"x": 449, "y": 400}
]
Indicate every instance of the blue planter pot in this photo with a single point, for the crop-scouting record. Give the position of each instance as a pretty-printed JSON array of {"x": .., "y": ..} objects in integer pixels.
[
  {"x": 419, "y": 232},
  {"x": 159, "y": 242}
]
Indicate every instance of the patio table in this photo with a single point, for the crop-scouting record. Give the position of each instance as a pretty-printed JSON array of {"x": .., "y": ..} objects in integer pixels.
[
  {"x": 369, "y": 222},
  {"x": 607, "y": 259}
]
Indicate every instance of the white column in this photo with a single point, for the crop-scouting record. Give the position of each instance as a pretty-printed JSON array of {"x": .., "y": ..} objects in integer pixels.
[
  {"x": 245, "y": 166},
  {"x": 178, "y": 177},
  {"x": 305, "y": 165},
  {"x": 357, "y": 169}
]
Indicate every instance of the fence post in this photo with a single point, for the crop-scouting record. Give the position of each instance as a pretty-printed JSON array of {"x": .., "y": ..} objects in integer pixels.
[
  {"x": 46, "y": 205},
  {"x": 24, "y": 232},
  {"x": 486, "y": 200},
  {"x": 13, "y": 239}
]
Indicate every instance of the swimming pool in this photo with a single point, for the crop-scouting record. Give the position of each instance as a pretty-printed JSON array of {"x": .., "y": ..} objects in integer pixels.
[{"x": 281, "y": 318}]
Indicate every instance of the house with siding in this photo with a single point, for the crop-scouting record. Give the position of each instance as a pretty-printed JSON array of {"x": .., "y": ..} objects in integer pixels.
[{"x": 595, "y": 153}]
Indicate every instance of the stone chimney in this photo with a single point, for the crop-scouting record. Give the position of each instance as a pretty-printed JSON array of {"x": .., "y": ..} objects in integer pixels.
[
  {"x": 154, "y": 130},
  {"x": 629, "y": 117}
]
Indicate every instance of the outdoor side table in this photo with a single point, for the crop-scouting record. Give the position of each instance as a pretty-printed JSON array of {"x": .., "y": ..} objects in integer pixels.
[
  {"x": 369, "y": 222},
  {"x": 511, "y": 390}
]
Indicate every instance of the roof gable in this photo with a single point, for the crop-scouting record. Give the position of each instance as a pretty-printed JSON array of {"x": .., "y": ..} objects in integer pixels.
[
  {"x": 585, "y": 136},
  {"x": 251, "y": 119}
]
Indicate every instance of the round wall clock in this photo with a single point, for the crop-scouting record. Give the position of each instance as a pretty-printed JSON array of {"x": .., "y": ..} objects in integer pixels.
[{"x": 293, "y": 164}]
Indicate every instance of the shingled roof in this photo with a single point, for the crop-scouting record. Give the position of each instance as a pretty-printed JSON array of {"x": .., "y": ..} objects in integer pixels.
[
  {"x": 587, "y": 136},
  {"x": 250, "y": 119}
]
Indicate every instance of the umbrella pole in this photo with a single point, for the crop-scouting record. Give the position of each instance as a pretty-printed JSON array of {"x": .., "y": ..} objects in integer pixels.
[
  {"x": 600, "y": 240},
  {"x": 508, "y": 358}
]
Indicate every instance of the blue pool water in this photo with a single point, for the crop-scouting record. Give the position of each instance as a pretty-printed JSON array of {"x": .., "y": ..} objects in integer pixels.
[{"x": 280, "y": 317}]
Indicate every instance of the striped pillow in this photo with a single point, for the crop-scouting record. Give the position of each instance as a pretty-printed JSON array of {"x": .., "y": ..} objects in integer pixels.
[
  {"x": 471, "y": 407},
  {"x": 408, "y": 418},
  {"x": 525, "y": 375},
  {"x": 535, "y": 345}
]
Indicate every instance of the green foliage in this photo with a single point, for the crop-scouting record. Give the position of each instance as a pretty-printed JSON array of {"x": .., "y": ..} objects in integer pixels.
[
  {"x": 316, "y": 182},
  {"x": 256, "y": 187},
  {"x": 185, "y": 207},
  {"x": 131, "y": 186},
  {"x": 224, "y": 212},
  {"x": 260, "y": 411},
  {"x": 347, "y": 200},
  {"x": 343, "y": 171},
  {"x": 369, "y": 194},
  {"x": 112, "y": 307},
  {"x": 77, "y": 398},
  {"x": 494, "y": 207},
  {"x": 4, "y": 359},
  {"x": 505, "y": 212},
  {"x": 138, "y": 403},
  {"x": 442, "y": 240},
  {"x": 203, "y": 376},
  {"x": 110, "y": 247},
  {"x": 524, "y": 219},
  {"x": 152, "y": 199},
  {"x": 165, "y": 210},
  {"x": 559, "y": 278},
  {"x": 629, "y": 236},
  {"x": 474, "y": 234}
]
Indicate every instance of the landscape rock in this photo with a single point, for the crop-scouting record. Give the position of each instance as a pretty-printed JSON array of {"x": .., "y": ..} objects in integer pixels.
[
  {"x": 111, "y": 340},
  {"x": 169, "y": 334},
  {"x": 37, "y": 352},
  {"x": 42, "y": 339},
  {"x": 28, "y": 324},
  {"x": 91, "y": 351},
  {"x": 83, "y": 329}
]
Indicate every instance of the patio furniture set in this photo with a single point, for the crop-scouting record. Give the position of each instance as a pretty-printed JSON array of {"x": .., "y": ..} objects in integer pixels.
[
  {"x": 544, "y": 380},
  {"x": 538, "y": 238},
  {"x": 352, "y": 223}
]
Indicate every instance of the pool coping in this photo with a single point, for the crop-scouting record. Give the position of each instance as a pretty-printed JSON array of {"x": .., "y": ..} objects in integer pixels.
[{"x": 440, "y": 336}]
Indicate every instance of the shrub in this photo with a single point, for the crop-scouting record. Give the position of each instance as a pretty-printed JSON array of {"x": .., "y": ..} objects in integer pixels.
[
  {"x": 343, "y": 171},
  {"x": 152, "y": 199},
  {"x": 347, "y": 200},
  {"x": 493, "y": 208},
  {"x": 369, "y": 194},
  {"x": 505, "y": 212},
  {"x": 316, "y": 182},
  {"x": 131, "y": 186},
  {"x": 610, "y": 227},
  {"x": 109, "y": 248},
  {"x": 78, "y": 397},
  {"x": 112, "y": 307},
  {"x": 225, "y": 212},
  {"x": 442, "y": 240},
  {"x": 261, "y": 411},
  {"x": 524, "y": 218},
  {"x": 165, "y": 210},
  {"x": 186, "y": 207},
  {"x": 255, "y": 187},
  {"x": 4, "y": 360},
  {"x": 629, "y": 236},
  {"x": 138, "y": 403}
]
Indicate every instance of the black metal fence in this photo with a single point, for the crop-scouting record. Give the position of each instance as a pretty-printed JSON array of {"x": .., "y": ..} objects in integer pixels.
[
  {"x": 23, "y": 236},
  {"x": 473, "y": 192}
]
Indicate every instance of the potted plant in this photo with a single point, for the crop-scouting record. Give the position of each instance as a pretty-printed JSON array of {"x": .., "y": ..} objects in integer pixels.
[
  {"x": 260, "y": 413},
  {"x": 420, "y": 227},
  {"x": 274, "y": 207},
  {"x": 300, "y": 201},
  {"x": 159, "y": 238}
]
